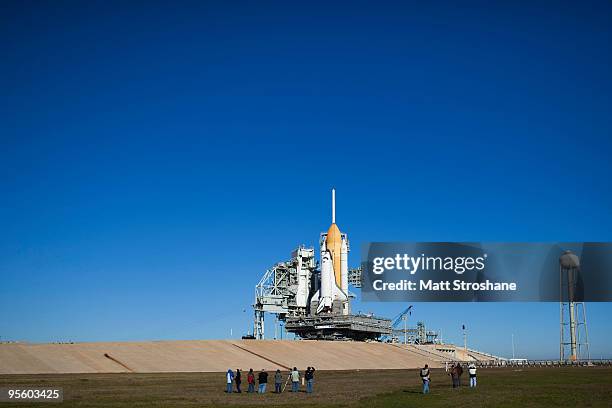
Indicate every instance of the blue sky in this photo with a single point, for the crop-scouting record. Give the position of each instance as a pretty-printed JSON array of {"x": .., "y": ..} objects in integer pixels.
[{"x": 156, "y": 159}]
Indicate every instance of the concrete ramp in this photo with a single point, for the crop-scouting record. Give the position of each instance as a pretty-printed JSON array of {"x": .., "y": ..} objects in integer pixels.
[
  {"x": 206, "y": 356},
  {"x": 337, "y": 355}
]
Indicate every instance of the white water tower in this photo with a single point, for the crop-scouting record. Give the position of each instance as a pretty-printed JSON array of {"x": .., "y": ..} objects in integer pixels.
[{"x": 574, "y": 337}]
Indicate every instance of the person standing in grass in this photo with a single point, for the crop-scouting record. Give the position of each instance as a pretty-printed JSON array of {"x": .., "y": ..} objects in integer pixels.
[
  {"x": 263, "y": 381},
  {"x": 425, "y": 378},
  {"x": 472, "y": 373},
  {"x": 251, "y": 380},
  {"x": 309, "y": 376},
  {"x": 295, "y": 380},
  {"x": 238, "y": 380},
  {"x": 229, "y": 376},
  {"x": 454, "y": 375},
  {"x": 278, "y": 381},
  {"x": 459, "y": 373}
]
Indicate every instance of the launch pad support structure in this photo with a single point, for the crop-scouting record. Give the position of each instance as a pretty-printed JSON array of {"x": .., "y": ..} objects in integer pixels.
[
  {"x": 313, "y": 301},
  {"x": 339, "y": 327}
]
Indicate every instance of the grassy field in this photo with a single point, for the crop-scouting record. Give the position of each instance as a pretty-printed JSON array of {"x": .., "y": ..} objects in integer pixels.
[{"x": 535, "y": 387}]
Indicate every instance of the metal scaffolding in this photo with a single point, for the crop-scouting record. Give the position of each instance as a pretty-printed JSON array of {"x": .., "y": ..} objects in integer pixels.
[
  {"x": 354, "y": 277},
  {"x": 283, "y": 289}
]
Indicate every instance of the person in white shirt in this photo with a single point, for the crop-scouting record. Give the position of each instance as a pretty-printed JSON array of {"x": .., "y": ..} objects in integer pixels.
[
  {"x": 425, "y": 378},
  {"x": 295, "y": 380},
  {"x": 230, "y": 378},
  {"x": 472, "y": 373}
]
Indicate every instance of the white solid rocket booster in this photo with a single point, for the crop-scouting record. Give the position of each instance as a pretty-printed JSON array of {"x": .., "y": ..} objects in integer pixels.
[{"x": 344, "y": 265}]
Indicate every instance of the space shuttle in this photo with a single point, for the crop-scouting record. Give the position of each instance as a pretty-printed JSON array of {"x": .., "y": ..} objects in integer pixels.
[{"x": 332, "y": 296}]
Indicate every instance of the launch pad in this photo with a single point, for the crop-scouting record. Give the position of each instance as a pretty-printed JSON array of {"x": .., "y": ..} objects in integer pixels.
[
  {"x": 339, "y": 327},
  {"x": 287, "y": 290},
  {"x": 313, "y": 299}
]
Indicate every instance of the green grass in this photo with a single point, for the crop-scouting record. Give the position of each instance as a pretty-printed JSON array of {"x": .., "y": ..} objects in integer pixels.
[
  {"x": 534, "y": 387},
  {"x": 549, "y": 387}
]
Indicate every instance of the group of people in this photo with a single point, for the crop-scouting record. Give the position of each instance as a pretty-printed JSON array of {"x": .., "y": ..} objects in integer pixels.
[
  {"x": 455, "y": 373},
  {"x": 235, "y": 379}
]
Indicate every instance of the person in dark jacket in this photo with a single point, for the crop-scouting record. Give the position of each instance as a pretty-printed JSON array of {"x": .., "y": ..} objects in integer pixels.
[
  {"x": 309, "y": 377},
  {"x": 251, "y": 380},
  {"x": 278, "y": 382},
  {"x": 238, "y": 380},
  {"x": 425, "y": 378},
  {"x": 263, "y": 381},
  {"x": 459, "y": 372},
  {"x": 454, "y": 375}
]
